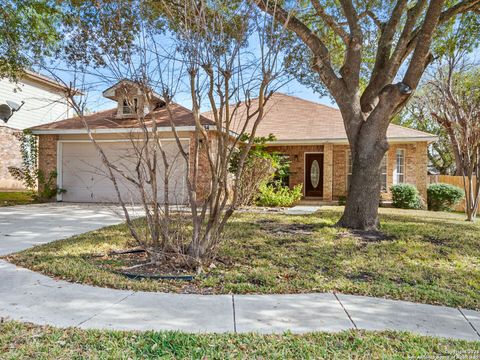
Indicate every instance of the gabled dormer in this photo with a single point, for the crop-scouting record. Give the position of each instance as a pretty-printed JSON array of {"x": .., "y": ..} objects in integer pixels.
[{"x": 133, "y": 98}]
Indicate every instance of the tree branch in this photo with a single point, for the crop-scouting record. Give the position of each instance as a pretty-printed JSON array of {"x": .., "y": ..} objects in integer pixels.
[
  {"x": 350, "y": 70},
  {"x": 315, "y": 44},
  {"x": 461, "y": 7},
  {"x": 330, "y": 21},
  {"x": 381, "y": 74}
]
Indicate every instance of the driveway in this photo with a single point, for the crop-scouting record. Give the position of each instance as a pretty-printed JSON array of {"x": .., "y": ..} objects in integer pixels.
[{"x": 22, "y": 227}]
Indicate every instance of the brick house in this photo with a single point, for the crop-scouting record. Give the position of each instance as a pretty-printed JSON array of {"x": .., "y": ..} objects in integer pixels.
[
  {"x": 44, "y": 101},
  {"x": 309, "y": 134}
]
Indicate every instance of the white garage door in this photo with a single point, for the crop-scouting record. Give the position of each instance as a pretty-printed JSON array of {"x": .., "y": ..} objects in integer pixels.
[{"x": 85, "y": 178}]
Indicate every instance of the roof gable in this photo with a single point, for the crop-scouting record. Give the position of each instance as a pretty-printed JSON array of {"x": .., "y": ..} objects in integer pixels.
[{"x": 111, "y": 92}]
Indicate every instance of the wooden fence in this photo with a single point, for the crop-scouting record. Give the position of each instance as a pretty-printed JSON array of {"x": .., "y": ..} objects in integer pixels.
[{"x": 452, "y": 180}]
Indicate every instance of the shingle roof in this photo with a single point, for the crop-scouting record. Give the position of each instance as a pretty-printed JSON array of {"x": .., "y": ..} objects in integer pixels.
[
  {"x": 287, "y": 117},
  {"x": 107, "y": 120},
  {"x": 290, "y": 118}
]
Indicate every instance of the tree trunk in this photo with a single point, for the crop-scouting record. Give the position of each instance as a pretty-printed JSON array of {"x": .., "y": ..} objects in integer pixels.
[
  {"x": 368, "y": 149},
  {"x": 361, "y": 209}
]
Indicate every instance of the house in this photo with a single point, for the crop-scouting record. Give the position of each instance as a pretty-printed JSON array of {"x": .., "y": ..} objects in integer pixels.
[
  {"x": 311, "y": 135},
  {"x": 43, "y": 102}
]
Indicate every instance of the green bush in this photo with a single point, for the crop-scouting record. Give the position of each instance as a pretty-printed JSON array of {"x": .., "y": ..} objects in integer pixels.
[
  {"x": 32, "y": 177},
  {"x": 405, "y": 196},
  {"x": 278, "y": 195},
  {"x": 442, "y": 197}
]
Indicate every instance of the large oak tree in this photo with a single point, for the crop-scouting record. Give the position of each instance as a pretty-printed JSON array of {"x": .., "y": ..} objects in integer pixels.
[
  {"x": 28, "y": 32},
  {"x": 369, "y": 56}
]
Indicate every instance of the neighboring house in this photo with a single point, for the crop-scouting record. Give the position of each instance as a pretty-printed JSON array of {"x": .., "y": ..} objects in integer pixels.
[
  {"x": 311, "y": 135},
  {"x": 44, "y": 102}
]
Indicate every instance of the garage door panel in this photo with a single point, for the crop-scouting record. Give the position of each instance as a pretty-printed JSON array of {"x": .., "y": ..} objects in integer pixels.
[{"x": 86, "y": 179}]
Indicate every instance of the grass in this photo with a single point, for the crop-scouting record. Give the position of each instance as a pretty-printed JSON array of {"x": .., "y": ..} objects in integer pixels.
[
  {"x": 25, "y": 341},
  {"x": 431, "y": 258},
  {"x": 9, "y": 198}
]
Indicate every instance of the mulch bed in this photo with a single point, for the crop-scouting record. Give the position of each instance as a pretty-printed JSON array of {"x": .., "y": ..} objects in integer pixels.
[{"x": 135, "y": 264}]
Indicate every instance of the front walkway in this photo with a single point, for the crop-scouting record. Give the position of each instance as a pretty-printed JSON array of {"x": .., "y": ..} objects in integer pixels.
[{"x": 32, "y": 297}]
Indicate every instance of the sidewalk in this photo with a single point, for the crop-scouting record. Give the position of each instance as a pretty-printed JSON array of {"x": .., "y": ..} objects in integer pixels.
[{"x": 32, "y": 297}]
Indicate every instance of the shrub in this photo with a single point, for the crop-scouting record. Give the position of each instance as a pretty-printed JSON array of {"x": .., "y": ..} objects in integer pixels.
[
  {"x": 278, "y": 195},
  {"x": 405, "y": 196},
  {"x": 256, "y": 171},
  {"x": 29, "y": 174},
  {"x": 442, "y": 197},
  {"x": 261, "y": 166}
]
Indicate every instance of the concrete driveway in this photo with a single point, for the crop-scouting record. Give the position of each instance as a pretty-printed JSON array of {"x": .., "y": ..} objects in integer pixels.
[{"x": 25, "y": 226}]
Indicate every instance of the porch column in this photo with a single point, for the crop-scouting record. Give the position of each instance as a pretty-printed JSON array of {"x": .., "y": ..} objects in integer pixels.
[{"x": 327, "y": 172}]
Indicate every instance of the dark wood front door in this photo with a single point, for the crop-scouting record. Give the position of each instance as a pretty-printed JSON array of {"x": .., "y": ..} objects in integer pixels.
[{"x": 314, "y": 175}]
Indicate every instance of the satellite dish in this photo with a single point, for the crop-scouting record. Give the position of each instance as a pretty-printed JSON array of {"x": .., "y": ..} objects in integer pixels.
[
  {"x": 7, "y": 110},
  {"x": 13, "y": 105}
]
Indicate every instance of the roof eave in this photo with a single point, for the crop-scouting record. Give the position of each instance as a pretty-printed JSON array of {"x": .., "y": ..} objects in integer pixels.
[
  {"x": 344, "y": 141},
  {"x": 106, "y": 131},
  {"x": 50, "y": 82},
  {"x": 115, "y": 130}
]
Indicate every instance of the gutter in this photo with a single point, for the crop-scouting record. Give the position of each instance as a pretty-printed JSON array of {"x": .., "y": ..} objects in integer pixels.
[
  {"x": 344, "y": 141},
  {"x": 120, "y": 130},
  {"x": 339, "y": 141}
]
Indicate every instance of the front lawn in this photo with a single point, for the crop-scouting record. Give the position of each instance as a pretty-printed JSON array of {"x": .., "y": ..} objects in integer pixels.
[
  {"x": 9, "y": 198},
  {"x": 425, "y": 257},
  {"x": 24, "y": 341}
]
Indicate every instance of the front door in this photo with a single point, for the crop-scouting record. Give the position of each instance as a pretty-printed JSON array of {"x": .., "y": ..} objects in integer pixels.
[{"x": 313, "y": 175}]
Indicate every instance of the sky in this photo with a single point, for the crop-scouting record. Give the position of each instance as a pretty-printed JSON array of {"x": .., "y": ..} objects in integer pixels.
[
  {"x": 99, "y": 80},
  {"x": 97, "y": 83}
]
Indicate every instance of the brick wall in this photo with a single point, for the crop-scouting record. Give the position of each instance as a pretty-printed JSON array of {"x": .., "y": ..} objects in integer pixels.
[
  {"x": 416, "y": 162},
  {"x": 339, "y": 170},
  {"x": 47, "y": 153},
  {"x": 335, "y": 166},
  {"x": 204, "y": 174},
  {"x": 335, "y": 162},
  {"x": 328, "y": 172},
  {"x": 10, "y": 155}
]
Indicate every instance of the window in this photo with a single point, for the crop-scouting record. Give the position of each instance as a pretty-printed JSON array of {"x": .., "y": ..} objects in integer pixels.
[
  {"x": 127, "y": 108},
  {"x": 349, "y": 168},
  {"x": 383, "y": 171},
  {"x": 383, "y": 174},
  {"x": 399, "y": 174}
]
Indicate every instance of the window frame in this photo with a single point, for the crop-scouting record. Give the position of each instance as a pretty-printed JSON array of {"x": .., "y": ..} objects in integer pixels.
[
  {"x": 349, "y": 168},
  {"x": 402, "y": 166},
  {"x": 126, "y": 106},
  {"x": 384, "y": 173}
]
